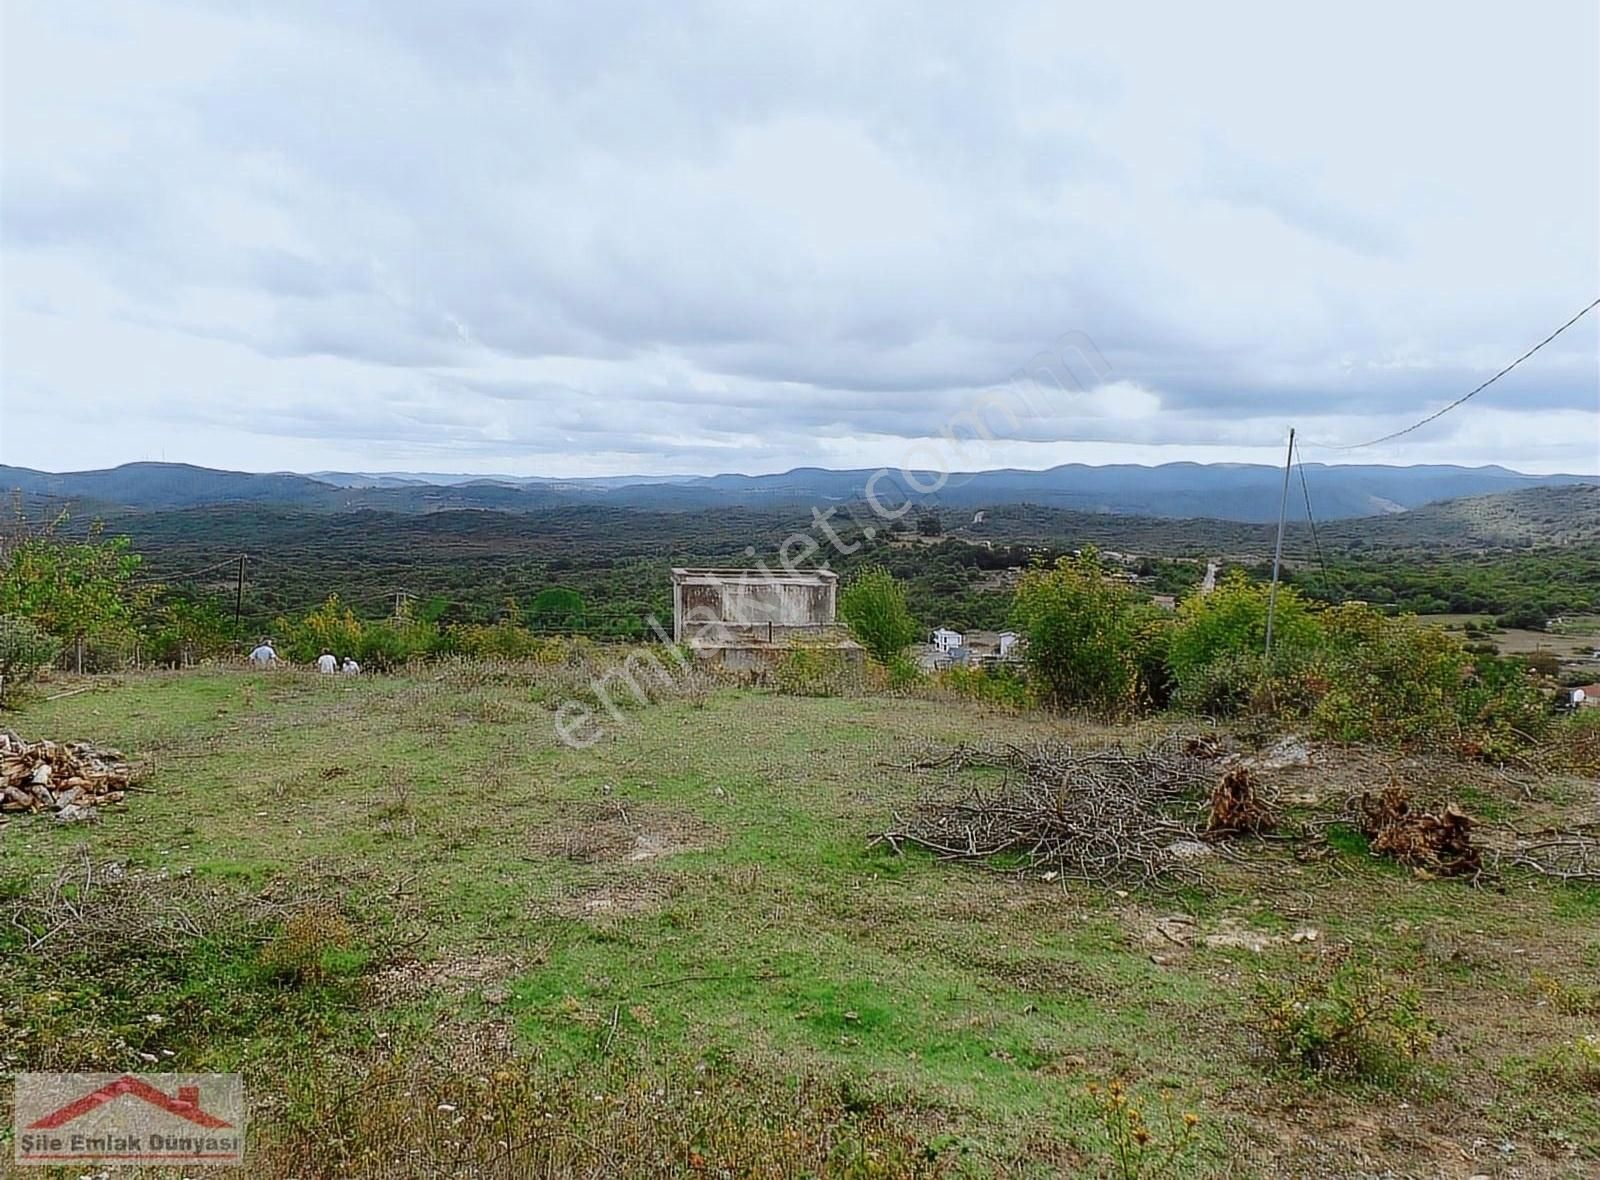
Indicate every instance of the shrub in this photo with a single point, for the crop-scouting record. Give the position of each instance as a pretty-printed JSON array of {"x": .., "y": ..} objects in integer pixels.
[
  {"x": 1152, "y": 642},
  {"x": 1000, "y": 685},
  {"x": 1399, "y": 681},
  {"x": 334, "y": 627},
  {"x": 1080, "y": 627},
  {"x": 311, "y": 946},
  {"x": 1573, "y": 744},
  {"x": 1391, "y": 681},
  {"x": 900, "y": 674},
  {"x": 504, "y": 640},
  {"x": 1342, "y": 1018},
  {"x": 1526, "y": 618},
  {"x": 387, "y": 645},
  {"x": 873, "y": 606},
  {"x": 330, "y": 627},
  {"x": 1217, "y": 650},
  {"x": 812, "y": 672},
  {"x": 24, "y": 650},
  {"x": 556, "y": 608},
  {"x": 1502, "y": 708},
  {"x": 185, "y": 631}
]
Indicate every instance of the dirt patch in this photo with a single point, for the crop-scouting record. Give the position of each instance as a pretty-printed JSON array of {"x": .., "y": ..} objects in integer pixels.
[
  {"x": 619, "y": 897},
  {"x": 1174, "y": 934},
  {"x": 458, "y": 976},
  {"x": 597, "y": 833}
]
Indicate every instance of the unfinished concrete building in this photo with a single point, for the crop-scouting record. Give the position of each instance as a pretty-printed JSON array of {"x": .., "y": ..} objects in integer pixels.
[{"x": 742, "y": 619}]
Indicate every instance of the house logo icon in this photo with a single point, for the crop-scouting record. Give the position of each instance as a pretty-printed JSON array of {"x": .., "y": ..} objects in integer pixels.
[
  {"x": 186, "y": 1105},
  {"x": 129, "y": 1118}
]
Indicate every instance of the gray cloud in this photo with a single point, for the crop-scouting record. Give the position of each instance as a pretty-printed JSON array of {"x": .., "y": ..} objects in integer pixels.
[{"x": 551, "y": 239}]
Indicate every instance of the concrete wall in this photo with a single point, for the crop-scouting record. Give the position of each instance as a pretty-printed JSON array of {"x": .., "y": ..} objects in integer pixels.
[{"x": 740, "y": 599}]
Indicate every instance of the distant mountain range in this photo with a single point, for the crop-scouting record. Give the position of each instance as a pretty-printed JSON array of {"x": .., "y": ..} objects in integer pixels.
[{"x": 1221, "y": 491}]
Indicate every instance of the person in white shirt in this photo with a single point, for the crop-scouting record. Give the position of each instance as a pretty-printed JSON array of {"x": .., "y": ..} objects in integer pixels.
[
  {"x": 350, "y": 667},
  {"x": 264, "y": 656},
  {"x": 326, "y": 663}
]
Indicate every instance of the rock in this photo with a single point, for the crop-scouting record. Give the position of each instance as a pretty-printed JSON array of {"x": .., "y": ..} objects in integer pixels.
[
  {"x": 1231, "y": 934},
  {"x": 1189, "y": 850},
  {"x": 1285, "y": 753},
  {"x": 73, "y": 814}
]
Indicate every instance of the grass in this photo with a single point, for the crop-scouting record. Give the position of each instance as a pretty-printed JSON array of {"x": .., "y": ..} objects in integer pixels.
[{"x": 677, "y": 945}]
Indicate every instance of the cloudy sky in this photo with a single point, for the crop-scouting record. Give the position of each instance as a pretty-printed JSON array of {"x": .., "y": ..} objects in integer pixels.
[{"x": 594, "y": 238}]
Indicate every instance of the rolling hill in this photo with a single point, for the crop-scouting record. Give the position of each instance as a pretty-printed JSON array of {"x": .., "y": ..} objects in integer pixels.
[{"x": 1174, "y": 491}]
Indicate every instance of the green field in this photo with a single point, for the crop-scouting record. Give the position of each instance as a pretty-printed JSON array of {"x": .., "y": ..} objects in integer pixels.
[{"x": 438, "y": 942}]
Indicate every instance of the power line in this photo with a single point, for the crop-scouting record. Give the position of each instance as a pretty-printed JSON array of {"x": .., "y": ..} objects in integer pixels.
[
  {"x": 1467, "y": 396},
  {"x": 1327, "y": 587},
  {"x": 154, "y": 577}
]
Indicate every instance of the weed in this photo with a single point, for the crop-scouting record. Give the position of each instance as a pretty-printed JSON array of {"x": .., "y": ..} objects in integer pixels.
[
  {"x": 1342, "y": 1018},
  {"x": 477, "y": 1108},
  {"x": 312, "y": 946},
  {"x": 1134, "y": 1149},
  {"x": 1573, "y": 999},
  {"x": 812, "y": 672}
]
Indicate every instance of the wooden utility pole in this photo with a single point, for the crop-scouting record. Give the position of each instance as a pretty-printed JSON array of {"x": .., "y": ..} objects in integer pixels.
[
  {"x": 238, "y": 598},
  {"x": 1277, "y": 552}
]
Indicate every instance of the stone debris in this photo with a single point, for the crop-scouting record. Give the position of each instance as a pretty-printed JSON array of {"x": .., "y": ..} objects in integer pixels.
[
  {"x": 1232, "y": 934},
  {"x": 1282, "y": 755},
  {"x": 69, "y": 780}
]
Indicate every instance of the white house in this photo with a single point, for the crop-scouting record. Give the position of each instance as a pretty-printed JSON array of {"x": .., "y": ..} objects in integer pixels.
[
  {"x": 1008, "y": 640},
  {"x": 1584, "y": 697},
  {"x": 946, "y": 641}
]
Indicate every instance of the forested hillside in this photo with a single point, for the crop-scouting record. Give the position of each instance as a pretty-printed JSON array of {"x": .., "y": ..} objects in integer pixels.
[{"x": 1530, "y": 554}]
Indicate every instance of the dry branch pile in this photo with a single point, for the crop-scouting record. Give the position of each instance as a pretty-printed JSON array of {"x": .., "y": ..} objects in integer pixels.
[
  {"x": 69, "y": 779},
  {"x": 1566, "y": 854},
  {"x": 1100, "y": 816},
  {"x": 1432, "y": 843}
]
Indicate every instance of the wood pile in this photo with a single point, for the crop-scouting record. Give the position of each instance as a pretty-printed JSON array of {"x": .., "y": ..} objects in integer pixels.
[{"x": 67, "y": 779}]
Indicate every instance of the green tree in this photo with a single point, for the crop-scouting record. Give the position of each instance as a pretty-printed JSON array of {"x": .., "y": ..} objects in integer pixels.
[
  {"x": 185, "y": 630},
  {"x": 24, "y": 649},
  {"x": 74, "y": 590},
  {"x": 873, "y": 606},
  {"x": 1081, "y": 628},
  {"x": 556, "y": 608},
  {"x": 1217, "y": 650},
  {"x": 331, "y": 627}
]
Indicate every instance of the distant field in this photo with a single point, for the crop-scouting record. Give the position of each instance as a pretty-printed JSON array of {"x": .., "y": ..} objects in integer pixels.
[
  {"x": 678, "y": 945},
  {"x": 1574, "y": 643}
]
